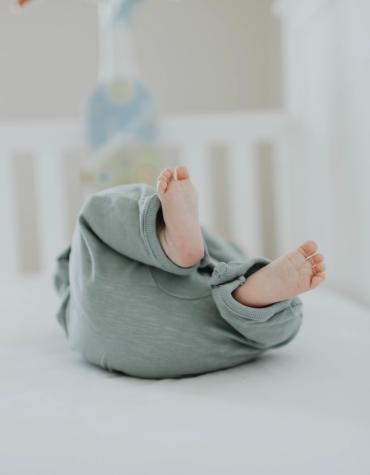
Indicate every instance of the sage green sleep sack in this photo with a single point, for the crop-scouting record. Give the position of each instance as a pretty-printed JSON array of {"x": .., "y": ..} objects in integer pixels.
[{"x": 126, "y": 306}]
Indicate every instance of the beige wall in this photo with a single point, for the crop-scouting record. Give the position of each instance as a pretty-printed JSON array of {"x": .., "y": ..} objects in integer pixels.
[
  {"x": 207, "y": 55},
  {"x": 196, "y": 55}
]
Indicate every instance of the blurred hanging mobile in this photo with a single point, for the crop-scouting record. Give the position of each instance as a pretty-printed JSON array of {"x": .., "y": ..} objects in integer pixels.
[{"x": 122, "y": 120}]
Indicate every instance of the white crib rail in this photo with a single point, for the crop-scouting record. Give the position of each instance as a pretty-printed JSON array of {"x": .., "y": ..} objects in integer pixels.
[
  {"x": 9, "y": 243},
  {"x": 47, "y": 143}
]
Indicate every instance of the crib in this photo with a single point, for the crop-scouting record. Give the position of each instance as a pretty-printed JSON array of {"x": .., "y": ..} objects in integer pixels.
[
  {"x": 236, "y": 160},
  {"x": 305, "y": 405}
]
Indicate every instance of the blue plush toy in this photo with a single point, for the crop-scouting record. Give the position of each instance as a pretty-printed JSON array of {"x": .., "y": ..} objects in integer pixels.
[
  {"x": 122, "y": 10},
  {"x": 122, "y": 121}
]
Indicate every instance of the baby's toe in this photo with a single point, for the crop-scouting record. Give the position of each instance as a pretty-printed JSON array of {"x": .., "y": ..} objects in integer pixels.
[
  {"x": 166, "y": 174},
  {"x": 161, "y": 185},
  {"x": 317, "y": 258},
  {"x": 308, "y": 248},
  {"x": 317, "y": 280},
  {"x": 163, "y": 180},
  {"x": 319, "y": 268},
  {"x": 181, "y": 173}
]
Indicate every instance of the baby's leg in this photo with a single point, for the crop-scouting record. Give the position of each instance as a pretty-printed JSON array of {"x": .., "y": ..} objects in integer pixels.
[
  {"x": 180, "y": 233},
  {"x": 130, "y": 221},
  {"x": 298, "y": 271},
  {"x": 181, "y": 239}
]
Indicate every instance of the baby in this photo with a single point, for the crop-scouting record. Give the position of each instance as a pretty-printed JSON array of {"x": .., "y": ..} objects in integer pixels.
[{"x": 145, "y": 290}]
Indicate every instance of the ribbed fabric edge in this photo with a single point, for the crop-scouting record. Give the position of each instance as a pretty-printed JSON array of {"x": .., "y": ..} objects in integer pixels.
[
  {"x": 223, "y": 296},
  {"x": 150, "y": 208}
]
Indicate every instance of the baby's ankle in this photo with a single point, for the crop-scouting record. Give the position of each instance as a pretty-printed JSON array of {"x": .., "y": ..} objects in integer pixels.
[{"x": 251, "y": 296}]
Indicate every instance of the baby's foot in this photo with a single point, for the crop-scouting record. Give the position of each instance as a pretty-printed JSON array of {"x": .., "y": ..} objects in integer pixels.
[
  {"x": 289, "y": 275},
  {"x": 180, "y": 236}
]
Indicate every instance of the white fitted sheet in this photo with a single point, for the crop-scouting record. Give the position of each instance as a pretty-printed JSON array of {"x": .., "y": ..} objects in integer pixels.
[{"x": 301, "y": 409}]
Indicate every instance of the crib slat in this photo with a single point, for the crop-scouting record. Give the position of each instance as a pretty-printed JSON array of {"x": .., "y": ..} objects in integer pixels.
[
  {"x": 282, "y": 193},
  {"x": 244, "y": 202},
  {"x": 8, "y": 239},
  {"x": 25, "y": 202},
  {"x": 197, "y": 160},
  {"x": 194, "y": 135},
  {"x": 53, "y": 220}
]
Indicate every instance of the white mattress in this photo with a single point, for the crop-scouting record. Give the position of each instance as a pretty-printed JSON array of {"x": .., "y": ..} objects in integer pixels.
[{"x": 302, "y": 409}]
